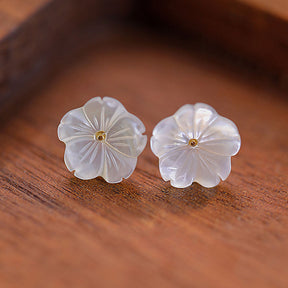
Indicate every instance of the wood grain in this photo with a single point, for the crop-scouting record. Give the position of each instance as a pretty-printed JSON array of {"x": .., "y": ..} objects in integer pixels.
[{"x": 59, "y": 231}]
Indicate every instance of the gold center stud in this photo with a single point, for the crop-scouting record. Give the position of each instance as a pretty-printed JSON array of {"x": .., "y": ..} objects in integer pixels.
[
  {"x": 100, "y": 136},
  {"x": 193, "y": 142}
]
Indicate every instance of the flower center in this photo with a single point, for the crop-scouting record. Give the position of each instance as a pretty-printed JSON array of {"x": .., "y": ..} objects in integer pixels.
[
  {"x": 100, "y": 136},
  {"x": 193, "y": 142}
]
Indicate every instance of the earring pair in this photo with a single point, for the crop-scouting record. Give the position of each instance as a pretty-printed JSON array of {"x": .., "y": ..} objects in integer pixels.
[{"x": 103, "y": 139}]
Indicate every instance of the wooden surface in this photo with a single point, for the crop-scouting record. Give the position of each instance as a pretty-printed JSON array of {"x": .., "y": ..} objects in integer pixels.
[
  {"x": 59, "y": 231},
  {"x": 33, "y": 33},
  {"x": 254, "y": 29},
  {"x": 36, "y": 34}
]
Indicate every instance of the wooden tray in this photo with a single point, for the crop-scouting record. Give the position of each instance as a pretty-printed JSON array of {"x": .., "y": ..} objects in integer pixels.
[{"x": 59, "y": 231}]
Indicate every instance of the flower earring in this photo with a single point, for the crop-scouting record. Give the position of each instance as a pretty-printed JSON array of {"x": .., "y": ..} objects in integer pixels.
[
  {"x": 102, "y": 139},
  {"x": 195, "y": 145}
]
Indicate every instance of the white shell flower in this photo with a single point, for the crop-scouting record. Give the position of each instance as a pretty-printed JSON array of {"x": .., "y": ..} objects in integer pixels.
[
  {"x": 102, "y": 139},
  {"x": 195, "y": 145}
]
